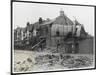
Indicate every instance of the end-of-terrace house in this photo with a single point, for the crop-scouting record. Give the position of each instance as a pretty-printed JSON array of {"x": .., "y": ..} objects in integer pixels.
[{"x": 62, "y": 28}]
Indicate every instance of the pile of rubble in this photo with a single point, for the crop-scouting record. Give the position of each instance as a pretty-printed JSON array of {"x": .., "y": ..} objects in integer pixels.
[
  {"x": 23, "y": 66},
  {"x": 47, "y": 59},
  {"x": 78, "y": 62},
  {"x": 65, "y": 61},
  {"x": 52, "y": 60}
]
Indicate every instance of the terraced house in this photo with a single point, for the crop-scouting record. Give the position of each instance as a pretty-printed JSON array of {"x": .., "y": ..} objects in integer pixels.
[{"x": 61, "y": 33}]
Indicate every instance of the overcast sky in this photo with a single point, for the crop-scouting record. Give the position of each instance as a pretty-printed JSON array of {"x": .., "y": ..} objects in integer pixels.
[{"x": 30, "y": 12}]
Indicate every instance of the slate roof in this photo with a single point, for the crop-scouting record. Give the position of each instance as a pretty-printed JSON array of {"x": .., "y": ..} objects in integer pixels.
[{"x": 63, "y": 20}]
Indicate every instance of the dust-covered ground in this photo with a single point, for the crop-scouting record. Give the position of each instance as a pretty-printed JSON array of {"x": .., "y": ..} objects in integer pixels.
[{"x": 33, "y": 61}]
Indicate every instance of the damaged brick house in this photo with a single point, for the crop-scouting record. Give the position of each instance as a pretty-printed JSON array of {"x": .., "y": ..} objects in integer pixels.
[{"x": 60, "y": 31}]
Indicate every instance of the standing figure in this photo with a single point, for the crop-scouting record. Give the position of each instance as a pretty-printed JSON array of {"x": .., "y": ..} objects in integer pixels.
[{"x": 58, "y": 44}]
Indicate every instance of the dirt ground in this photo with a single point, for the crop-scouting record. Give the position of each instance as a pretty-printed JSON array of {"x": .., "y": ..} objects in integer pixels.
[{"x": 32, "y": 61}]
